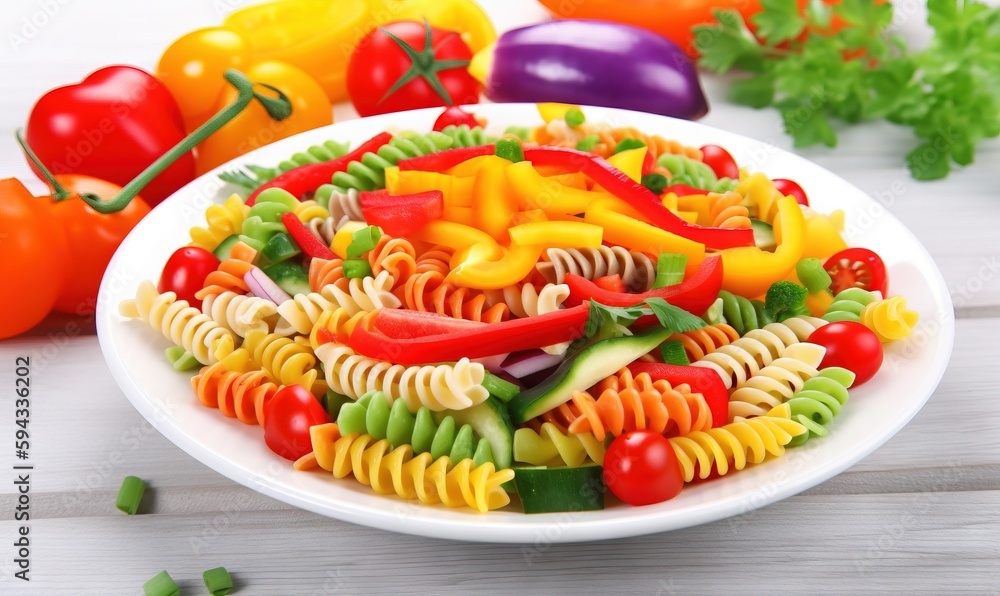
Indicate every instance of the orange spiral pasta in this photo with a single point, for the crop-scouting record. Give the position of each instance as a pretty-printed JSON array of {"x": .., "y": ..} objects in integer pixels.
[
  {"x": 727, "y": 211},
  {"x": 560, "y": 134},
  {"x": 704, "y": 341},
  {"x": 243, "y": 396},
  {"x": 395, "y": 255},
  {"x": 324, "y": 272},
  {"x": 438, "y": 258},
  {"x": 227, "y": 278},
  {"x": 428, "y": 292}
]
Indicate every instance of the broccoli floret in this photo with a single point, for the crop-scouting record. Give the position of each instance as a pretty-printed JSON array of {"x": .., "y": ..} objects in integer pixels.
[{"x": 786, "y": 299}]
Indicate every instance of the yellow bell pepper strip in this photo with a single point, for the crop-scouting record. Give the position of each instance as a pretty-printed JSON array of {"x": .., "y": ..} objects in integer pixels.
[
  {"x": 459, "y": 215},
  {"x": 822, "y": 238},
  {"x": 471, "y": 243},
  {"x": 532, "y": 215},
  {"x": 457, "y": 191},
  {"x": 557, "y": 234},
  {"x": 517, "y": 262},
  {"x": 749, "y": 271},
  {"x": 630, "y": 162},
  {"x": 253, "y": 128},
  {"x": 344, "y": 236},
  {"x": 534, "y": 191},
  {"x": 637, "y": 235},
  {"x": 469, "y": 167},
  {"x": 495, "y": 204},
  {"x": 574, "y": 180},
  {"x": 554, "y": 111}
]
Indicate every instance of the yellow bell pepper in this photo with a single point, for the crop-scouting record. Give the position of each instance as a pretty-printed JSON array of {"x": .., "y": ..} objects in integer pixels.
[
  {"x": 554, "y": 111},
  {"x": 470, "y": 167},
  {"x": 638, "y": 235},
  {"x": 457, "y": 192},
  {"x": 749, "y": 271},
  {"x": 468, "y": 242},
  {"x": 557, "y": 234},
  {"x": 629, "y": 162},
  {"x": 819, "y": 303},
  {"x": 534, "y": 191},
  {"x": 516, "y": 263},
  {"x": 459, "y": 215},
  {"x": 822, "y": 238},
  {"x": 531, "y": 215},
  {"x": 495, "y": 205},
  {"x": 574, "y": 180},
  {"x": 344, "y": 236}
]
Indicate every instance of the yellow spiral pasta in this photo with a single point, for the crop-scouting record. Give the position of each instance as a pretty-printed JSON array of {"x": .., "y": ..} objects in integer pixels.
[
  {"x": 182, "y": 324},
  {"x": 636, "y": 269},
  {"x": 550, "y": 446},
  {"x": 240, "y": 314},
  {"x": 397, "y": 471},
  {"x": 309, "y": 210},
  {"x": 395, "y": 255},
  {"x": 744, "y": 358},
  {"x": 776, "y": 383},
  {"x": 223, "y": 221},
  {"x": 524, "y": 300},
  {"x": 890, "y": 319},
  {"x": 735, "y": 445},
  {"x": 443, "y": 387},
  {"x": 285, "y": 360}
]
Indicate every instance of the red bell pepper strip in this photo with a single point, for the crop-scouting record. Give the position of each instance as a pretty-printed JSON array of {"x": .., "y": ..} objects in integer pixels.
[
  {"x": 683, "y": 190},
  {"x": 303, "y": 236},
  {"x": 303, "y": 179},
  {"x": 611, "y": 283},
  {"x": 702, "y": 380},
  {"x": 401, "y": 323},
  {"x": 401, "y": 215},
  {"x": 478, "y": 342},
  {"x": 638, "y": 196},
  {"x": 695, "y": 294},
  {"x": 443, "y": 160}
]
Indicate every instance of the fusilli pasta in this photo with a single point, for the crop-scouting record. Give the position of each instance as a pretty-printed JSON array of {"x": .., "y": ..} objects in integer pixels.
[
  {"x": 240, "y": 314},
  {"x": 550, "y": 446},
  {"x": 636, "y": 269},
  {"x": 777, "y": 382},
  {"x": 240, "y": 395},
  {"x": 222, "y": 221},
  {"x": 819, "y": 401},
  {"x": 889, "y": 319},
  {"x": 848, "y": 304},
  {"x": 285, "y": 360},
  {"x": 428, "y": 292}
]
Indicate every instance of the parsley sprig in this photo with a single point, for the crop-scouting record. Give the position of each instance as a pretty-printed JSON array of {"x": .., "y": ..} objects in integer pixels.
[{"x": 948, "y": 93}]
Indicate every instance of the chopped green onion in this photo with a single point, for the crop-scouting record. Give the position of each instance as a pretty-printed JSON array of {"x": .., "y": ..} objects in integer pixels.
[
  {"x": 669, "y": 269},
  {"x": 656, "y": 183},
  {"x": 161, "y": 584},
  {"x": 130, "y": 494},
  {"x": 673, "y": 353},
  {"x": 588, "y": 143},
  {"x": 812, "y": 275},
  {"x": 510, "y": 149},
  {"x": 218, "y": 581},
  {"x": 356, "y": 268},
  {"x": 362, "y": 241},
  {"x": 574, "y": 117},
  {"x": 503, "y": 390},
  {"x": 181, "y": 359},
  {"x": 520, "y": 132},
  {"x": 626, "y": 144}
]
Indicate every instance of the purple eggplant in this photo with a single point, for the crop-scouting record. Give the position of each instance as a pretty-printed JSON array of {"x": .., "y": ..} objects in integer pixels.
[{"x": 592, "y": 63}]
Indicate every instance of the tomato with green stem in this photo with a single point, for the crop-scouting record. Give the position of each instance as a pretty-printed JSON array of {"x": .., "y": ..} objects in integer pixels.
[
  {"x": 852, "y": 346},
  {"x": 641, "y": 468},
  {"x": 287, "y": 420},
  {"x": 857, "y": 268},
  {"x": 185, "y": 273},
  {"x": 407, "y": 65}
]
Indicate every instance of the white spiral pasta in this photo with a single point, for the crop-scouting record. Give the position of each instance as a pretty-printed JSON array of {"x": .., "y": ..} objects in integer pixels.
[
  {"x": 240, "y": 314},
  {"x": 443, "y": 387},
  {"x": 637, "y": 269},
  {"x": 744, "y": 358},
  {"x": 526, "y": 301},
  {"x": 179, "y": 322},
  {"x": 301, "y": 313},
  {"x": 325, "y": 228},
  {"x": 777, "y": 382},
  {"x": 346, "y": 204}
]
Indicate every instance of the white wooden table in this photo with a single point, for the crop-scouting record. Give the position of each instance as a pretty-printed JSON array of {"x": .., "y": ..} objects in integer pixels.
[{"x": 921, "y": 514}]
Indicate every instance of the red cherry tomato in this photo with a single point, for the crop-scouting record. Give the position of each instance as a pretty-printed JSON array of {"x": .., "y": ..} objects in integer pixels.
[
  {"x": 288, "y": 418},
  {"x": 852, "y": 346},
  {"x": 641, "y": 468},
  {"x": 185, "y": 273},
  {"x": 379, "y": 63},
  {"x": 790, "y": 187},
  {"x": 857, "y": 268},
  {"x": 612, "y": 283},
  {"x": 455, "y": 116},
  {"x": 721, "y": 162}
]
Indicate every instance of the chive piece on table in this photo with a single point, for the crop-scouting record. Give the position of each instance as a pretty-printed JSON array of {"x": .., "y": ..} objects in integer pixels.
[
  {"x": 354, "y": 268},
  {"x": 161, "y": 584},
  {"x": 218, "y": 581},
  {"x": 130, "y": 494},
  {"x": 363, "y": 240}
]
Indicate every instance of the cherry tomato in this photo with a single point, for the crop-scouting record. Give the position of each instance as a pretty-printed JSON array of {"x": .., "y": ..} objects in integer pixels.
[
  {"x": 641, "y": 468},
  {"x": 455, "y": 116},
  {"x": 721, "y": 162},
  {"x": 287, "y": 419},
  {"x": 790, "y": 187},
  {"x": 852, "y": 346},
  {"x": 857, "y": 268},
  {"x": 185, "y": 273},
  {"x": 612, "y": 283},
  {"x": 379, "y": 63}
]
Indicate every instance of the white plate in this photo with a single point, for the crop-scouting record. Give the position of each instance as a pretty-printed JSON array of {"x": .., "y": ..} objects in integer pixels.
[{"x": 875, "y": 412}]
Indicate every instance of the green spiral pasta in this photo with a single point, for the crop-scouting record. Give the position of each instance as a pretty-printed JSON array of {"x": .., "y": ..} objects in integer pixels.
[
  {"x": 819, "y": 401},
  {"x": 372, "y": 415},
  {"x": 369, "y": 172},
  {"x": 848, "y": 304},
  {"x": 743, "y": 314},
  {"x": 264, "y": 218},
  {"x": 684, "y": 170},
  {"x": 463, "y": 136},
  {"x": 258, "y": 175}
]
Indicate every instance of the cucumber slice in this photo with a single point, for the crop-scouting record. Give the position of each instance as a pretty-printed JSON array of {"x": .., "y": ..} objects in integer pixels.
[
  {"x": 280, "y": 247},
  {"x": 290, "y": 277},
  {"x": 490, "y": 421},
  {"x": 763, "y": 235},
  {"x": 225, "y": 248},
  {"x": 550, "y": 490}
]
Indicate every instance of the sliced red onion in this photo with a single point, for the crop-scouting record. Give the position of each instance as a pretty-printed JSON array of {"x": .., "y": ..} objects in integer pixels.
[
  {"x": 492, "y": 363},
  {"x": 526, "y": 362},
  {"x": 262, "y": 285}
]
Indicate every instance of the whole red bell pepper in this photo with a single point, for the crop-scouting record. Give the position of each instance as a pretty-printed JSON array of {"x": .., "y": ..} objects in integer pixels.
[
  {"x": 695, "y": 294},
  {"x": 638, "y": 196},
  {"x": 401, "y": 215},
  {"x": 111, "y": 126},
  {"x": 474, "y": 342},
  {"x": 702, "y": 380},
  {"x": 444, "y": 160}
]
